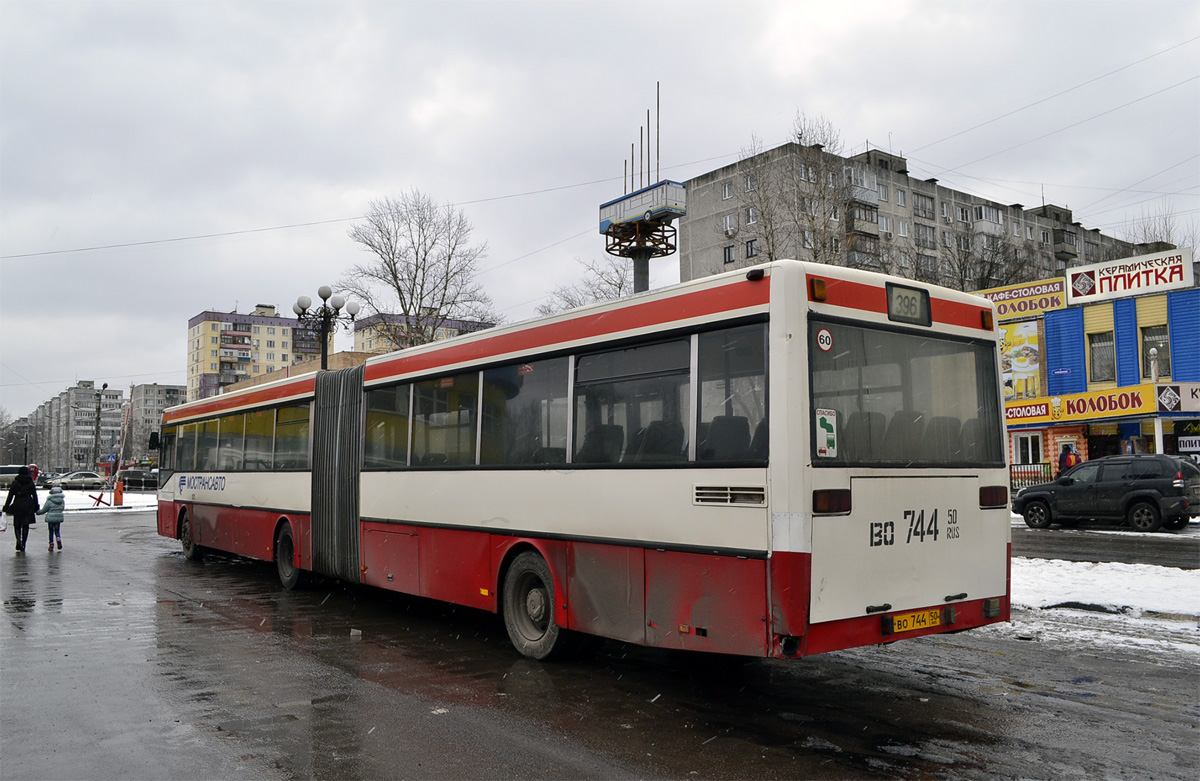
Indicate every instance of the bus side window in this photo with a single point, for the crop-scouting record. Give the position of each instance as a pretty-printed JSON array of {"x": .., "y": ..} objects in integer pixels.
[{"x": 733, "y": 395}]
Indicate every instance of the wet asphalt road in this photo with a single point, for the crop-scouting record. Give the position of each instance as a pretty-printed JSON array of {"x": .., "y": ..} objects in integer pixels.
[{"x": 120, "y": 660}]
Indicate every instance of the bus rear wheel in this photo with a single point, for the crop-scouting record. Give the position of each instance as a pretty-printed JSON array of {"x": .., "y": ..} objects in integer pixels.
[
  {"x": 285, "y": 558},
  {"x": 529, "y": 608},
  {"x": 191, "y": 551}
]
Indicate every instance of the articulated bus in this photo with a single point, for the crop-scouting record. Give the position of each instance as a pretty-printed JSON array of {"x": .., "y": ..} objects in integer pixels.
[{"x": 776, "y": 462}]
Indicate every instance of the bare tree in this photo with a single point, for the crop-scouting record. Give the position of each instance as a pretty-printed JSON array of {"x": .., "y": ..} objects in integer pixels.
[
  {"x": 1161, "y": 225},
  {"x": 797, "y": 199},
  {"x": 423, "y": 270},
  {"x": 604, "y": 280},
  {"x": 980, "y": 259}
]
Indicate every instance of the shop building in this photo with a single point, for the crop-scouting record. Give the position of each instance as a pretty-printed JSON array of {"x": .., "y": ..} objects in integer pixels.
[{"x": 1105, "y": 359}]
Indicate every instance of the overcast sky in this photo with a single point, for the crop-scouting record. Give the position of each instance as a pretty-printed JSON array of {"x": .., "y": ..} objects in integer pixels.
[{"x": 158, "y": 159}]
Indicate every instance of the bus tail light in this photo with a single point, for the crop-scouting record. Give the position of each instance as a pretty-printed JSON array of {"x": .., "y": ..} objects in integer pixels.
[
  {"x": 831, "y": 501},
  {"x": 991, "y": 496}
]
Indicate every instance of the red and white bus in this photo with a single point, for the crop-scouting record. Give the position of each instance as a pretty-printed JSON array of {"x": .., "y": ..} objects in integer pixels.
[{"x": 776, "y": 462}]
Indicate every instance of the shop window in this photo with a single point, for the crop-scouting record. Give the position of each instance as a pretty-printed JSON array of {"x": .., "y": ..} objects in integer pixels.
[
  {"x": 1155, "y": 337},
  {"x": 1102, "y": 357}
]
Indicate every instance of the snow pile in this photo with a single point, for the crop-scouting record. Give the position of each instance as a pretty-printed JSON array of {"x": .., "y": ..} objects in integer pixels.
[{"x": 1136, "y": 588}]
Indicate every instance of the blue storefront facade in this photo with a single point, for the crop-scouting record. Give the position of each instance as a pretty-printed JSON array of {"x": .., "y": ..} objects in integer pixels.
[{"x": 1105, "y": 360}]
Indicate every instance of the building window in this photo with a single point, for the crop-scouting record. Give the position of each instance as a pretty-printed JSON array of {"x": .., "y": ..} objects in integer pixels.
[
  {"x": 1045, "y": 237},
  {"x": 901, "y": 199},
  {"x": 807, "y": 239},
  {"x": 926, "y": 236},
  {"x": 726, "y": 191},
  {"x": 751, "y": 182},
  {"x": 270, "y": 330},
  {"x": 283, "y": 332},
  {"x": 751, "y": 216},
  {"x": 1029, "y": 232},
  {"x": 270, "y": 343},
  {"x": 255, "y": 329},
  {"x": 215, "y": 340},
  {"x": 728, "y": 253},
  {"x": 964, "y": 214},
  {"x": 1102, "y": 357},
  {"x": 883, "y": 192},
  {"x": 283, "y": 345},
  {"x": 903, "y": 227},
  {"x": 834, "y": 212},
  {"x": 947, "y": 241},
  {"x": 885, "y": 224},
  {"x": 964, "y": 243},
  {"x": 730, "y": 222},
  {"x": 1155, "y": 336},
  {"x": 987, "y": 213},
  {"x": 1028, "y": 448},
  {"x": 752, "y": 248},
  {"x": 923, "y": 206}
]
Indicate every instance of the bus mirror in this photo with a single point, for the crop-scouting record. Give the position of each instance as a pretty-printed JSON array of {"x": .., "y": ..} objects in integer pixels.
[{"x": 153, "y": 444}]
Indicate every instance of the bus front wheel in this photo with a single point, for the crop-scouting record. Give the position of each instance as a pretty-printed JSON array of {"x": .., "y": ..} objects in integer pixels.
[
  {"x": 285, "y": 558},
  {"x": 529, "y": 608}
]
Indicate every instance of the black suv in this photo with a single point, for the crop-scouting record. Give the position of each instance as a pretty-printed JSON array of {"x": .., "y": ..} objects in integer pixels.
[{"x": 1149, "y": 492}]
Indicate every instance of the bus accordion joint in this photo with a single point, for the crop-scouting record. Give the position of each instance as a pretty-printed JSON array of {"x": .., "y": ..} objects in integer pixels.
[
  {"x": 831, "y": 501},
  {"x": 816, "y": 289},
  {"x": 993, "y": 496}
]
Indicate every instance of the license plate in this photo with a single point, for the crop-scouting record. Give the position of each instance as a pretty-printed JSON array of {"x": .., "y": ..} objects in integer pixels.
[{"x": 923, "y": 619}]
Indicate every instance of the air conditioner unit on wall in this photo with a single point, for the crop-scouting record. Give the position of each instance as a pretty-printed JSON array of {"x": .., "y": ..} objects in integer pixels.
[
  {"x": 730, "y": 232},
  {"x": 887, "y": 234}
]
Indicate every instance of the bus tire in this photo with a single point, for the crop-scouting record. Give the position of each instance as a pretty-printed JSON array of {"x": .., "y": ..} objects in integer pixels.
[
  {"x": 1144, "y": 517},
  {"x": 1037, "y": 515},
  {"x": 191, "y": 551},
  {"x": 290, "y": 576},
  {"x": 529, "y": 608}
]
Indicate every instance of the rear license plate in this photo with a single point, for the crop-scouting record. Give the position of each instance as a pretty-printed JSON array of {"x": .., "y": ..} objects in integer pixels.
[{"x": 924, "y": 619}]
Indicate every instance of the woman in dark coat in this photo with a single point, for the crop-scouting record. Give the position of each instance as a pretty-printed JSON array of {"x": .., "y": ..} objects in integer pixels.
[{"x": 22, "y": 505}]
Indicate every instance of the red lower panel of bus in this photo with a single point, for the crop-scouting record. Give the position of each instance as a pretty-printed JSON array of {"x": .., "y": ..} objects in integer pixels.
[{"x": 664, "y": 599}]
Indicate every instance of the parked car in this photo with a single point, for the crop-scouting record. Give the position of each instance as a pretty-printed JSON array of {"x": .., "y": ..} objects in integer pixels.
[
  {"x": 44, "y": 478},
  {"x": 1148, "y": 492},
  {"x": 7, "y": 473},
  {"x": 136, "y": 478},
  {"x": 80, "y": 480}
]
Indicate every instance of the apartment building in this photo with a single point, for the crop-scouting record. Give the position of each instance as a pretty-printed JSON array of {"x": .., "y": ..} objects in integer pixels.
[
  {"x": 228, "y": 347},
  {"x": 61, "y": 435},
  {"x": 375, "y": 334},
  {"x": 146, "y": 405},
  {"x": 867, "y": 211}
]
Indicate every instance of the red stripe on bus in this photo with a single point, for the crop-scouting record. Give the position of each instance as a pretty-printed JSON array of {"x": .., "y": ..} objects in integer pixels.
[
  {"x": 869, "y": 298},
  {"x": 300, "y": 387},
  {"x": 704, "y": 302}
]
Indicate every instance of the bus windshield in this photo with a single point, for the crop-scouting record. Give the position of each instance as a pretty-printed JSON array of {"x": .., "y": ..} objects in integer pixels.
[{"x": 896, "y": 398}]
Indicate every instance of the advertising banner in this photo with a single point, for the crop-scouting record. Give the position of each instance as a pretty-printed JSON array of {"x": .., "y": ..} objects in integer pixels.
[
  {"x": 1028, "y": 299},
  {"x": 1156, "y": 273},
  {"x": 1179, "y": 397},
  {"x": 1020, "y": 360},
  {"x": 1083, "y": 407}
]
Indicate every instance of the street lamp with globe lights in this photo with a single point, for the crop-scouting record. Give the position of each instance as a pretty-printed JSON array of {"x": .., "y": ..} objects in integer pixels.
[{"x": 326, "y": 317}]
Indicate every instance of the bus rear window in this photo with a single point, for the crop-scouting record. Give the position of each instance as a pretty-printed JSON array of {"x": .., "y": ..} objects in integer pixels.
[{"x": 890, "y": 398}]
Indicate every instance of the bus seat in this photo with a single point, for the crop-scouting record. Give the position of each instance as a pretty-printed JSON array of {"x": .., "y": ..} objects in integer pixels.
[
  {"x": 662, "y": 441},
  {"x": 862, "y": 436},
  {"x": 728, "y": 439},
  {"x": 634, "y": 449},
  {"x": 971, "y": 438},
  {"x": 758, "y": 443},
  {"x": 942, "y": 440},
  {"x": 602, "y": 445},
  {"x": 902, "y": 441}
]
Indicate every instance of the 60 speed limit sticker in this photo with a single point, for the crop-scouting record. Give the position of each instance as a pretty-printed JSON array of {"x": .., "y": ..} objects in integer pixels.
[{"x": 824, "y": 340}]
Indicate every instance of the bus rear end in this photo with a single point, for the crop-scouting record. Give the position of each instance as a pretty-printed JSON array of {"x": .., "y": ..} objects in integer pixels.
[{"x": 904, "y": 481}]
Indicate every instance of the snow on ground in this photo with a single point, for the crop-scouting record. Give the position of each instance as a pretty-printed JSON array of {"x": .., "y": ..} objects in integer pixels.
[{"x": 1133, "y": 589}]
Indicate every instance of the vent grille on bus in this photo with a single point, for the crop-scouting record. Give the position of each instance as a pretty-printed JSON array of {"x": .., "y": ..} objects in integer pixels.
[{"x": 730, "y": 494}]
